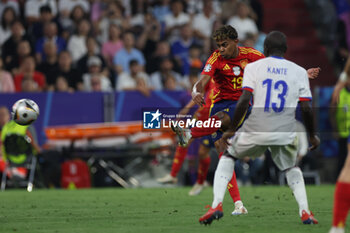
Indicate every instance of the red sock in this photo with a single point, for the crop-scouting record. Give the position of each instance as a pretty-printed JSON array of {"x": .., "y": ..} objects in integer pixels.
[
  {"x": 341, "y": 204},
  {"x": 233, "y": 189},
  {"x": 179, "y": 158},
  {"x": 203, "y": 170},
  {"x": 198, "y": 132}
]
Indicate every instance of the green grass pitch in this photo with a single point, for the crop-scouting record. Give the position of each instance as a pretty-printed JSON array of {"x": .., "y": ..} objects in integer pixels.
[{"x": 271, "y": 209}]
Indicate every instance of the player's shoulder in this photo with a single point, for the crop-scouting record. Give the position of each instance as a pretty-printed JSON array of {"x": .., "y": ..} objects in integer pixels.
[
  {"x": 249, "y": 51},
  {"x": 295, "y": 66},
  {"x": 213, "y": 57}
]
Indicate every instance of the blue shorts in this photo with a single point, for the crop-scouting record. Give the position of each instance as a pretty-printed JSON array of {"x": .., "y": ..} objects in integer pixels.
[
  {"x": 228, "y": 107},
  {"x": 207, "y": 141}
]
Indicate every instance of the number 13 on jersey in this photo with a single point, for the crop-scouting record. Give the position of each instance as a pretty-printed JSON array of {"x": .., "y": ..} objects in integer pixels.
[{"x": 280, "y": 87}]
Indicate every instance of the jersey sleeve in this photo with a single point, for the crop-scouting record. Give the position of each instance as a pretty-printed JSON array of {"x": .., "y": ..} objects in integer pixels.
[
  {"x": 248, "y": 79},
  {"x": 304, "y": 89},
  {"x": 255, "y": 55},
  {"x": 210, "y": 65}
]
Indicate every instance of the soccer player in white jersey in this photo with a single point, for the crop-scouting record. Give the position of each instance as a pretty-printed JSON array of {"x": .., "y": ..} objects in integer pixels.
[{"x": 276, "y": 86}]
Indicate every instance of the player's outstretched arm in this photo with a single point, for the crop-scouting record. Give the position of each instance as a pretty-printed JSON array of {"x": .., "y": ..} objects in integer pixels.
[
  {"x": 199, "y": 90},
  {"x": 308, "y": 118}
]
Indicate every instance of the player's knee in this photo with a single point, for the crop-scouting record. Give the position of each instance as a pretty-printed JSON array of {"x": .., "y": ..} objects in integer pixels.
[
  {"x": 225, "y": 120},
  {"x": 294, "y": 175},
  {"x": 203, "y": 153}
]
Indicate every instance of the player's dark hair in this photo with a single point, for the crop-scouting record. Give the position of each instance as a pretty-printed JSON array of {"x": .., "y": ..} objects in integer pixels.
[
  {"x": 225, "y": 32},
  {"x": 275, "y": 44}
]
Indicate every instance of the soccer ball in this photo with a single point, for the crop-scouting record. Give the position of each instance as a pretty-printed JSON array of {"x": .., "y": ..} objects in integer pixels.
[{"x": 25, "y": 111}]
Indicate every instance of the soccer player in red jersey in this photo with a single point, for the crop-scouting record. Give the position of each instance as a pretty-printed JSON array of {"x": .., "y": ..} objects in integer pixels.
[
  {"x": 226, "y": 66},
  {"x": 204, "y": 159}
]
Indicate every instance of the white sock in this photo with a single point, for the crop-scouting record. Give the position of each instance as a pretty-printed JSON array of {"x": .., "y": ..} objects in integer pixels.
[
  {"x": 337, "y": 230},
  {"x": 238, "y": 204},
  {"x": 223, "y": 175},
  {"x": 296, "y": 183}
]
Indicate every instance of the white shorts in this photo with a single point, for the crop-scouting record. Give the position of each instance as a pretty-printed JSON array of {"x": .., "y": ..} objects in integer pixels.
[{"x": 284, "y": 156}]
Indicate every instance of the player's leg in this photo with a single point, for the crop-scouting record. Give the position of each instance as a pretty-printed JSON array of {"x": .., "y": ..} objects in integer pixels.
[
  {"x": 285, "y": 159},
  {"x": 218, "y": 113},
  {"x": 178, "y": 160},
  {"x": 225, "y": 120},
  {"x": 223, "y": 175},
  {"x": 204, "y": 163},
  {"x": 234, "y": 191},
  {"x": 341, "y": 198}
]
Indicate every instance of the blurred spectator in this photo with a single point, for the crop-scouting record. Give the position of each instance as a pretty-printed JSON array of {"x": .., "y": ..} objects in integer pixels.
[
  {"x": 162, "y": 50},
  {"x": 194, "y": 57},
  {"x": 242, "y": 23},
  {"x": 49, "y": 67},
  {"x": 70, "y": 24},
  {"x": 23, "y": 50},
  {"x": 96, "y": 83},
  {"x": 175, "y": 20},
  {"x": 9, "y": 48},
  {"x": 170, "y": 83},
  {"x": 161, "y": 9},
  {"x": 61, "y": 85},
  {"x": 28, "y": 72},
  {"x": 159, "y": 77},
  {"x": 65, "y": 7},
  {"x": 98, "y": 9},
  {"x": 135, "y": 80},
  {"x": 114, "y": 15},
  {"x": 50, "y": 34},
  {"x": 254, "y": 42},
  {"x": 196, "y": 7},
  {"x": 46, "y": 16},
  {"x": 6, "y": 81},
  {"x": 150, "y": 35},
  {"x": 29, "y": 85},
  {"x": 229, "y": 8},
  {"x": 66, "y": 70},
  {"x": 113, "y": 44},
  {"x": 203, "y": 24},
  {"x": 180, "y": 48},
  {"x": 32, "y": 9},
  {"x": 8, "y": 17},
  {"x": 77, "y": 42},
  {"x": 8, "y": 3},
  {"x": 94, "y": 64},
  {"x": 125, "y": 55},
  {"x": 92, "y": 51}
]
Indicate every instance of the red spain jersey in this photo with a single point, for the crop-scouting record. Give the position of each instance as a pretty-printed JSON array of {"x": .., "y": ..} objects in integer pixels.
[
  {"x": 203, "y": 112},
  {"x": 228, "y": 73}
]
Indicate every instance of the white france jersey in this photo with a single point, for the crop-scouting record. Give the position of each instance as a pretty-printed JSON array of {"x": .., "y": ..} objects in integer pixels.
[{"x": 277, "y": 86}]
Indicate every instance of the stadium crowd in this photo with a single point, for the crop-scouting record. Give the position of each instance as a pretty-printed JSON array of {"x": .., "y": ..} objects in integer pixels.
[{"x": 106, "y": 45}]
